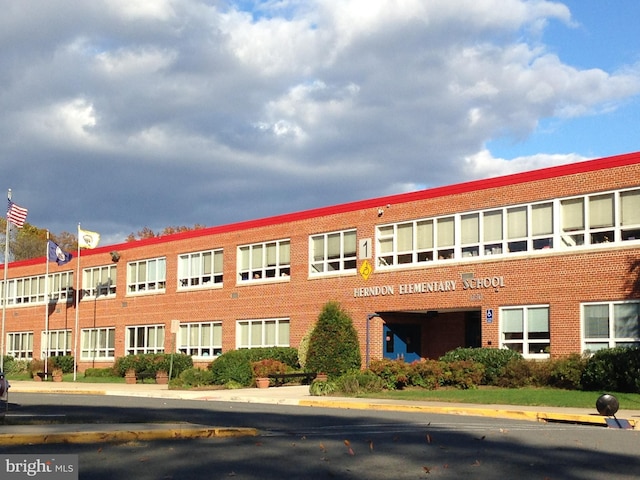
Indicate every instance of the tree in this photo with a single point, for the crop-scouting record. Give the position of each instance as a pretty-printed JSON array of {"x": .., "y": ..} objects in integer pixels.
[
  {"x": 146, "y": 232},
  {"x": 333, "y": 348}
]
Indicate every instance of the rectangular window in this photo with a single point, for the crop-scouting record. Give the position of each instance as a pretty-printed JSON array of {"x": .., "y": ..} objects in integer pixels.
[
  {"x": 542, "y": 225},
  {"x": 99, "y": 281},
  {"x": 20, "y": 345},
  {"x": 147, "y": 276},
  {"x": 98, "y": 343},
  {"x": 610, "y": 324},
  {"x": 333, "y": 252},
  {"x": 526, "y": 330},
  {"x": 200, "y": 269},
  {"x": 630, "y": 215},
  {"x": 445, "y": 236},
  {"x": 601, "y": 219},
  {"x": 59, "y": 343},
  {"x": 517, "y": 231},
  {"x": 145, "y": 339},
  {"x": 264, "y": 261},
  {"x": 492, "y": 232},
  {"x": 573, "y": 224},
  {"x": 262, "y": 333},
  {"x": 61, "y": 287},
  {"x": 200, "y": 339},
  {"x": 470, "y": 234}
]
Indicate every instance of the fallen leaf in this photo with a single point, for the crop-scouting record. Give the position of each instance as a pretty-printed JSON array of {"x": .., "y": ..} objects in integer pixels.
[
  {"x": 426, "y": 469},
  {"x": 428, "y": 439},
  {"x": 347, "y": 443},
  {"x": 371, "y": 445},
  {"x": 475, "y": 464}
]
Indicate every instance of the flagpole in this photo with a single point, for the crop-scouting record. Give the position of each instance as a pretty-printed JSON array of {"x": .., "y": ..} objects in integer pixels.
[
  {"x": 46, "y": 308},
  {"x": 5, "y": 288},
  {"x": 75, "y": 334}
]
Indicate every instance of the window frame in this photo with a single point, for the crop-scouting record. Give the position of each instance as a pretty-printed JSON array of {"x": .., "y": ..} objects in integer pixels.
[
  {"x": 149, "y": 285},
  {"x": 133, "y": 333},
  {"x": 255, "y": 265},
  {"x": 91, "y": 346},
  {"x": 611, "y": 340},
  {"x": 252, "y": 325},
  {"x": 54, "y": 338},
  {"x": 93, "y": 290},
  {"x": 527, "y": 342},
  {"x": 324, "y": 264},
  {"x": 22, "y": 352},
  {"x": 189, "y": 280},
  {"x": 214, "y": 346}
]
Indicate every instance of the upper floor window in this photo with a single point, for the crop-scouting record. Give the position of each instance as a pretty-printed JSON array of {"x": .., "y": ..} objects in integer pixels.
[
  {"x": 200, "y": 269},
  {"x": 610, "y": 324},
  {"x": 61, "y": 286},
  {"x": 147, "y": 276},
  {"x": 333, "y": 252},
  {"x": 264, "y": 261},
  {"x": 99, "y": 281},
  {"x": 630, "y": 215},
  {"x": 29, "y": 290}
]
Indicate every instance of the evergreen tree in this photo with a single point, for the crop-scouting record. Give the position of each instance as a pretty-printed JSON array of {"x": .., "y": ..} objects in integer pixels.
[{"x": 333, "y": 348}]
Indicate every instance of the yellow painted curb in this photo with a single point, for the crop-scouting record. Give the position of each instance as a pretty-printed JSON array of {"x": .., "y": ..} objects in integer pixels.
[
  {"x": 124, "y": 435},
  {"x": 529, "y": 415}
]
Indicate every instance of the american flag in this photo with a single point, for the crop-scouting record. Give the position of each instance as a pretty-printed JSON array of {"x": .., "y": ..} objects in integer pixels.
[{"x": 16, "y": 214}]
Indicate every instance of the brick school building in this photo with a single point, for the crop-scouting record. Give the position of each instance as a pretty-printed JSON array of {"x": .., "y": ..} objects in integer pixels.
[{"x": 546, "y": 263}]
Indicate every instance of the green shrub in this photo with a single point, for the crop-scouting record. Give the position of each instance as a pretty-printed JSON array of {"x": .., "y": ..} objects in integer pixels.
[
  {"x": 320, "y": 388},
  {"x": 303, "y": 350},
  {"x": 235, "y": 365},
  {"x": 333, "y": 347},
  {"x": 566, "y": 372},
  {"x": 66, "y": 363},
  {"x": 151, "y": 363},
  {"x": 463, "y": 374},
  {"x": 268, "y": 366},
  {"x": 427, "y": 374},
  {"x": 193, "y": 378},
  {"x": 359, "y": 382},
  {"x": 99, "y": 372},
  {"x": 493, "y": 359},
  {"x": 15, "y": 366},
  {"x": 393, "y": 373},
  {"x": 613, "y": 369}
]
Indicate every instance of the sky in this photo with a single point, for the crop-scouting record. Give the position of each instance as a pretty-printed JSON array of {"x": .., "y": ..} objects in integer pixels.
[{"x": 125, "y": 114}]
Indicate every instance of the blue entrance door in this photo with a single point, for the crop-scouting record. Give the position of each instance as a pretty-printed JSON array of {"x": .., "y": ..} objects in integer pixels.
[{"x": 402, "y": 342}]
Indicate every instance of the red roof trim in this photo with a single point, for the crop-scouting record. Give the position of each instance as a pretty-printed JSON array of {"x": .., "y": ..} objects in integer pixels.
[{"x": 465, "y": 187}]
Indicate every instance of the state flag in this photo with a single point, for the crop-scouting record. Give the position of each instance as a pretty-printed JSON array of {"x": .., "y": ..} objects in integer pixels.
[{"x": 56, "y": 254}]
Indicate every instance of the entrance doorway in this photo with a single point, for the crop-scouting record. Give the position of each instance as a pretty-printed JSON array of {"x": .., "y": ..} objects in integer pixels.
[{"x": 402, "y": 341}]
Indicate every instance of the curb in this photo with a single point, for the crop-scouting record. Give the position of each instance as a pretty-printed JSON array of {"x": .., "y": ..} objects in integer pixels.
[
  {"x": 529, "y": 415},
  {"x": 118, "y": 433}
]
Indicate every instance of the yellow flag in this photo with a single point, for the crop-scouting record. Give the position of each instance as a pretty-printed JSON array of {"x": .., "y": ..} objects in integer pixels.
[{"x": 87, "y": 239}]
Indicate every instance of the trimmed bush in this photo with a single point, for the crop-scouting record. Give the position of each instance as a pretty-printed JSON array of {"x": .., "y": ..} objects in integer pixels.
[
  {"x": 393, "y": 373},
  {"x": 463, "y": 374},
  {"x": 15, "y": 366},
  {"x": 358, "y": 382},
  {"x": 193, "y": 378},
  {"x": 63, "y": 362},
  {"x": 99, "y": 372},
  {"x": 151, "y": 363},
  {"x": 235, "y": 365},
  {"x": 566, "y": 372},
  {"x": 333, "y": 347},
  {"x": 493, "y": 359},
  {"x": 613, "y": 369},
  {"x": 427, "y": 374}
]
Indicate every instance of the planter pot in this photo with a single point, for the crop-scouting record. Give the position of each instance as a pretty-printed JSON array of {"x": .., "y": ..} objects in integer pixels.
[
  {"x": 162, "y": 378},
  {"x": 38, "y": 377},
  {"x": 262, "y": 382},
  {"x": 57, "y": 378},
  {"x": 130, "y": 379},
  {"x": 322, "y": 377}
]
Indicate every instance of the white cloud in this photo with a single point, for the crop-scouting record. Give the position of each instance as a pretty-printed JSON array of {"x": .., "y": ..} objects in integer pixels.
[{"x": 298, "y": 104}]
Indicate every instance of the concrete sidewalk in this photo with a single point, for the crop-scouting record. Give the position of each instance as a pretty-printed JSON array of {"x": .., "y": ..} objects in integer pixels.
[{"x": 286, "y": 395}]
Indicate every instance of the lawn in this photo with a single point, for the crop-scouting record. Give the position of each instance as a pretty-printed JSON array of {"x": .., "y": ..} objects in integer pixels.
[{"x": 549, "y": 397}]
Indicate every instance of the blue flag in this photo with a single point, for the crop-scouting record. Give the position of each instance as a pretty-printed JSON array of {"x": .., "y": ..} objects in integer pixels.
[{"x": 57, "y": 255}]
